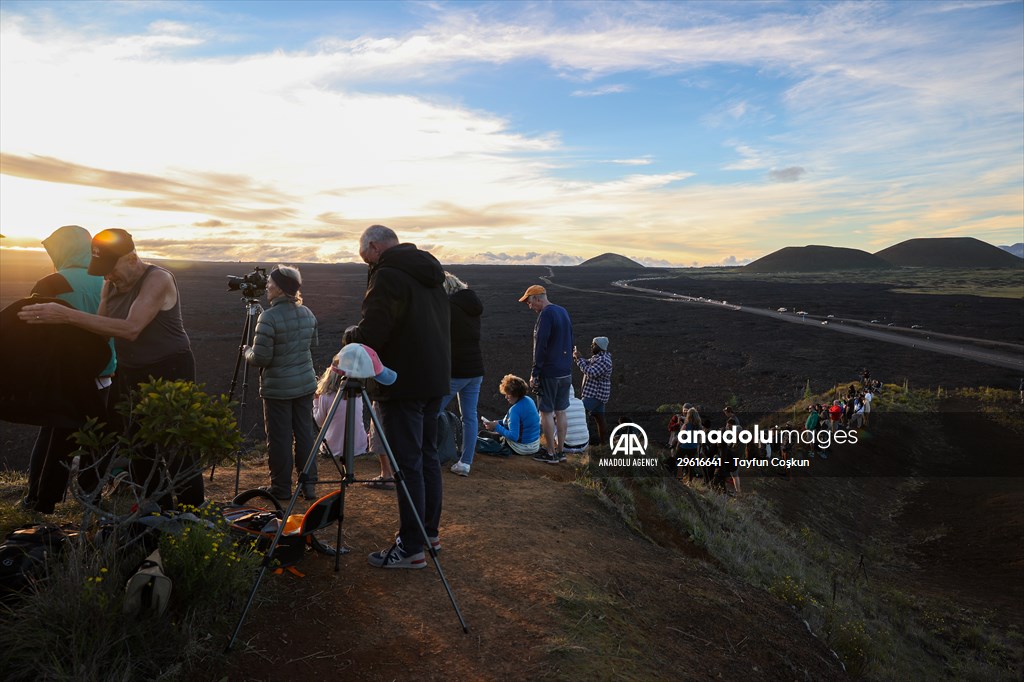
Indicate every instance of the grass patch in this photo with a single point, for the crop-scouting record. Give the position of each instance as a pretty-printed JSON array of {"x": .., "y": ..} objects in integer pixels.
[{"x": 603, "y": 633}]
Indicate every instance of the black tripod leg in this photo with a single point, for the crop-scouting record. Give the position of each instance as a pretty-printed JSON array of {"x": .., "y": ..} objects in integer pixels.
[
  {"x": 234, "y": 377},
  {"x": 400, "y": 479},
  {"x": 241, "y": 415},
  {"x": 269, "y": 556},
  {"x": 250, "y": 330}
]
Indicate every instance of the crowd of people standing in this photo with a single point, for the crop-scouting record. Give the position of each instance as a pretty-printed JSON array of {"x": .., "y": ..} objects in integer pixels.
[{"x": 421, "y": 323}]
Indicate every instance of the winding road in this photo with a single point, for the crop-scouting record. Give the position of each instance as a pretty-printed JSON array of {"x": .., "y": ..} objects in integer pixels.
[{"x": 963, "y": 347}]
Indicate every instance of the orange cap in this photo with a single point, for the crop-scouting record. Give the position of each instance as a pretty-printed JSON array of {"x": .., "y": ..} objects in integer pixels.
[{"x": 534, "y": 290}]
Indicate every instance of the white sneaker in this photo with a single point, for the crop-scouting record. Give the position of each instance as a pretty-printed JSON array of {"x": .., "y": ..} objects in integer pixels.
[{"x": 460, "y": 469}]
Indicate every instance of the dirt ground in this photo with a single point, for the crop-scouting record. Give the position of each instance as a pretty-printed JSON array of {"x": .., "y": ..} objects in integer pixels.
[{"x": 536, "y": 564}]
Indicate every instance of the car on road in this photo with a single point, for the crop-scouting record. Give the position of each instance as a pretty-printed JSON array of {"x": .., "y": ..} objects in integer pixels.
[
  {"x": 824, "y": 321},
  {"x": 783, "y": 310},
  {"x": 874, "y": 321},
  {"x": 801, "y": 312},
  {"x": 915, "y": 326},
  {"x": 831, "y": 316},
  {"x": 891, "y": 324}
]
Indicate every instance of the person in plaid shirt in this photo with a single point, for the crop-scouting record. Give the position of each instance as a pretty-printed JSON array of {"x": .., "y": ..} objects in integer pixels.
[{"x": 597, "y": 381}]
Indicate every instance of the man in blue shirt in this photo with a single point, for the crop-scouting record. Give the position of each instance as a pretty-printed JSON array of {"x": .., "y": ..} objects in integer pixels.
[{"x": 552, "y": 369}]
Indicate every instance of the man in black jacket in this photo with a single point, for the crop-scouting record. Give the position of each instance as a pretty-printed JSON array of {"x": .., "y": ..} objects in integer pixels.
[{"x": 405, "y": 318}]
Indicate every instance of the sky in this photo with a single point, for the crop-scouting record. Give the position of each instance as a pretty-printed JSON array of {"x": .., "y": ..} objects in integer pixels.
[{"x": 675, "y": 133}]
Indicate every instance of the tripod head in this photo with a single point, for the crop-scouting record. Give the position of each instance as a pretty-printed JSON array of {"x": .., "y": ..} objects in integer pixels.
[
  {"x": 252, "y": 305},
  {"x": 352, "y": 388}
]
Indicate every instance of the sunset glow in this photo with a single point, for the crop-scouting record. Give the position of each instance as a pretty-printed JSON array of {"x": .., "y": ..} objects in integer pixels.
[{"x": 673, "y": 133}]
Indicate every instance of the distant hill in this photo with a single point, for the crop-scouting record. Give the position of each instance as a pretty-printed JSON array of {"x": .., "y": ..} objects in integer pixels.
[
  {"x": 948, "y": 252},
  {"x": 816, "y": 259},
  {"x": 610, "y": 260},
  {"x": 1017, "y": 249}
]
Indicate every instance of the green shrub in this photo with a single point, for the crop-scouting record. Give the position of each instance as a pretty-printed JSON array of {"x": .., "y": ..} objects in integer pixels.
[
  {"x": 853, "y": 644},
  {"x": 205, "y": 562},
  {"x": 178, "y": 417},
  {"x": 790, "y": 591},
  {"x": 171, "y": 421}
]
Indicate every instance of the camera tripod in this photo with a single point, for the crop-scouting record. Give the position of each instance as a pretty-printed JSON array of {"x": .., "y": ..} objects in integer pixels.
[
  {"x": 252, "y": 312},
  {"x": 351, "y": 390}
]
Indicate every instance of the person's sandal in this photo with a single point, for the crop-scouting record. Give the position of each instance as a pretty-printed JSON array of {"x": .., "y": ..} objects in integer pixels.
[{"x": 380, "y": 483}]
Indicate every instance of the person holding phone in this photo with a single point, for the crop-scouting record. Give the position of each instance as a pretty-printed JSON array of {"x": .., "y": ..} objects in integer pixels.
[{"x": 519, "y": 431}]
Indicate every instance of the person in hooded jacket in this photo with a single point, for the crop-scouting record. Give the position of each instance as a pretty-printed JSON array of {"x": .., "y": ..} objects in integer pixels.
[
  {"x": 70, "y": 249},
  {"x": 406, "y": 320},
  {"x": 140, "y": 308},
  {"x": 467, "y": 364}
]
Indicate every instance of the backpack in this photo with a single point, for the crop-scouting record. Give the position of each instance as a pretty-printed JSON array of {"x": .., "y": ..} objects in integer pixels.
[
  {"x": 449, "y": 436},
  {"x": 24, "y": 554},
  {"x": 259, "y": 524}
]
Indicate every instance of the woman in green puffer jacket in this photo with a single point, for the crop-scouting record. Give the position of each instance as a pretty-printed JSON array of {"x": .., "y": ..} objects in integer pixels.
[{"x": 285, "y": 335}]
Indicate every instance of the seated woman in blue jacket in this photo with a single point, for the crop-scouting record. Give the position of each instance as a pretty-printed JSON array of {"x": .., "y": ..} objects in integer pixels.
[{"x": 520, "y": 429}]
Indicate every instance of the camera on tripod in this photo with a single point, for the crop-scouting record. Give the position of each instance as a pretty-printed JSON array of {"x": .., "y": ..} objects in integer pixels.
[{"x": 252, "y": 285}]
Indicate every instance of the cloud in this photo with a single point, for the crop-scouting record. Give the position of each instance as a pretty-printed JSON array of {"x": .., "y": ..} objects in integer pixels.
[
  {"x": 654, "y": 262},
  {"x": 639, "y": 161},
  {"x": 198, "y": 192},
  {"x": 529, "y": 258},
  {"x": 209, "y": 223},
  {"x": 733, "y": 260},
  {"x": 737, "y": 113},
  {"x": 969, "y": 4},
  {"x": 791, "y": 174},
  {"x": 750, "y": 159},
  {"x": 603, "y": 90}
]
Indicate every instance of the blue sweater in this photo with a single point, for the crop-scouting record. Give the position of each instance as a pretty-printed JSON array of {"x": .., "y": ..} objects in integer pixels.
[
  {"x": 552, "y": 343},
  {"x": 522, "y": 423}
]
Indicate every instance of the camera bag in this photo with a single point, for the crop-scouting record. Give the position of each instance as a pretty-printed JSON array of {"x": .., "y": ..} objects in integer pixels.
[
  {"x": 259, "y": 524},
  {"x": 24, "y": 554}
]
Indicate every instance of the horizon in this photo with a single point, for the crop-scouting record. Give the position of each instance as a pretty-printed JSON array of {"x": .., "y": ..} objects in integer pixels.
[
  {"x": 578, "y": 260},
  {"x": 675, "y": 134}
]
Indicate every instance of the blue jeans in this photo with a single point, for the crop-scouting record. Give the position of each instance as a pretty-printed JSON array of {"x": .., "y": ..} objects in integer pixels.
[{"x": 468, "y": 391}]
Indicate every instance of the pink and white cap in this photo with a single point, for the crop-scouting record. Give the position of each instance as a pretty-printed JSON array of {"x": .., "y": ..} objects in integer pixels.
[{"x": 361, "y": 362}]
